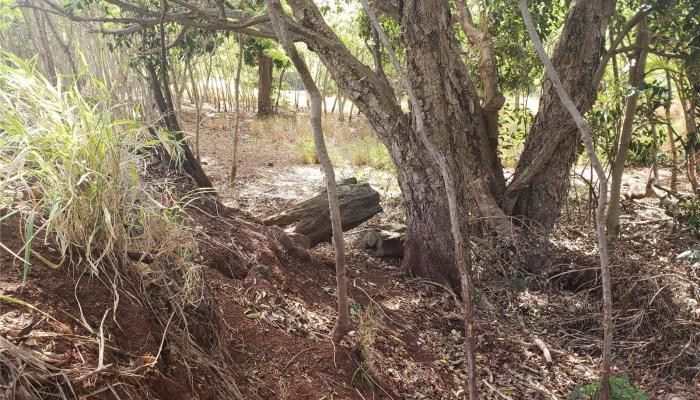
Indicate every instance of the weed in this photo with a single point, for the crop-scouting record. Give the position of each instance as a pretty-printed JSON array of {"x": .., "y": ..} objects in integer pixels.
[
  {"x": 72, "y": 172},
  {"x": 620, "y": 389},
  {"x": 306, "y": 150},
  {"x": 369, "y": 151}
]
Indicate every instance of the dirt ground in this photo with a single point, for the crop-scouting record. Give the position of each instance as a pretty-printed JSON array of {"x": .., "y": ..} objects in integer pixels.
[
  {"x": 407, "y": 341},
  {"x": 411, "y": 345}
]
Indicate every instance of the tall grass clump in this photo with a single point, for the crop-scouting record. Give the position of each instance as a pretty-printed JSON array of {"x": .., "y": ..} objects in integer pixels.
[
  {"x": 369, "y": 151},
  {"x": 73, "y": 168},
  {"x": 73, "y": 173}
]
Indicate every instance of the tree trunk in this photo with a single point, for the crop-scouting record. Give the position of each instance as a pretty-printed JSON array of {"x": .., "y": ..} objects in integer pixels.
[
  {"x": 454, "y": 121},
  {"x": 311, "y": 217},
  {"x": 237, "y": 109},
  {"x": 190, "y": 164},
  {"x": 596, "y": 165},
  {"x": 42, "y": 41},
  {"x": 636, "y": 79},
  {"x": 669, "y": 128},
  {"x": 279, "y": 88},
  {"x": 264, "y": 83},
  {"x": 541, "y": 181},
  {"x": 198, "y": 111},
  {"x": 342, "y": 326},
  {"x": 688, "y": 108}
]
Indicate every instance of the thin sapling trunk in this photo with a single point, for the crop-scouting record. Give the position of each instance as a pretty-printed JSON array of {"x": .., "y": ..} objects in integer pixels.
[
  {"x": 582, "y": 125},
  {"x": 342, "y": 326},
  {"x": 237, "y": 107}
]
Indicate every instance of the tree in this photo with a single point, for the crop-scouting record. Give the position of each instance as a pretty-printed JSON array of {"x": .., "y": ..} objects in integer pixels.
[
  {"x": 264, "y": 81},
  {"x": 455, "y": 119},
  {"x": 636, "y": 81},
  {"x": 461, "y": 254},
  {"x": 585, "y": 131},
  {"x": 342, "y": 326}
]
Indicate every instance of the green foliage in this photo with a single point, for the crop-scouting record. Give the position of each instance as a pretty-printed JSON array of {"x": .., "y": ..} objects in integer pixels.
[
  {"x": 620, "y": 389},
  {"x": 513, "y": 124},
  {"x": 690, "y": 213},
  {"x": 517, "y": 61}
]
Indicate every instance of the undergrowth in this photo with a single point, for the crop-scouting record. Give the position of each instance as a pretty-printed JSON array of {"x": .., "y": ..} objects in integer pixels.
[
  {"x": 620, "y": 389},
  {"x": 72, "y": 172}
]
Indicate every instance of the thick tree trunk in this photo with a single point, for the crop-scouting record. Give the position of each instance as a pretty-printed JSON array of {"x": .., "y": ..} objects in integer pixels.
[
  {"x": 454, "y": 122},
  {"x": 264, "y": 83},
  {"x": 541, "y": 181}
]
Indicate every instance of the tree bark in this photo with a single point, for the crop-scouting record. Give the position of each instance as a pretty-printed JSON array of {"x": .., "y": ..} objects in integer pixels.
[
  {"x": 237, "y": 108},
  {"x": 488, "y": 72},
  {"x": 541, "y": 180},
  {"x": 461, "y": 247},
  {"x": 264, "y": 83},
  {"x": 636, "y": 81},
  {"x": 311, "y": 217}
]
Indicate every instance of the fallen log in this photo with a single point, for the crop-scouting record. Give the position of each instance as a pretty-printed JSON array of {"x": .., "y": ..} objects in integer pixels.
[
  {"x": 385, "y": 240},
  {"x": 358, "y": 203}
]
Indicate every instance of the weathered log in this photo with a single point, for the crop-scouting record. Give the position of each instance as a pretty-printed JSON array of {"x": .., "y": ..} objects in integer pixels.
[
  {"x": 385, "y": 240},
  {"x": 358, "y": 203}
]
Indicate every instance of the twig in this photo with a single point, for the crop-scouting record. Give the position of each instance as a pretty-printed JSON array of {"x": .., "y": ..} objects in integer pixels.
[
  {"x": 545, "y": 351},
  {"x": 297, "y": 355},
  {"x": 498, "y": 392}
]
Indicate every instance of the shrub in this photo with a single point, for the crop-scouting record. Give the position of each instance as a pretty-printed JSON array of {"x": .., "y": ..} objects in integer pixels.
[{"x": 620, "y": 389}]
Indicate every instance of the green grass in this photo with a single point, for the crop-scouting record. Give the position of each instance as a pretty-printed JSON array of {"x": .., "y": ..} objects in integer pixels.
[{"x": 369, "y": 151}]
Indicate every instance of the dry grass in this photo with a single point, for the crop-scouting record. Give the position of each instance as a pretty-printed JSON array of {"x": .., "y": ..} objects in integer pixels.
[
  {"x": 348, "y": 142},
  {"x": 72, "y": 172}
]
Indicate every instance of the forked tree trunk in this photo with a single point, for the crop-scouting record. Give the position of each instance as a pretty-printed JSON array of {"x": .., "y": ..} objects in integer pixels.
[
  {"x": 264, "y": 83},
  {"x": 454, "y": 121},
  {"x": 541, "y": 181}
]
